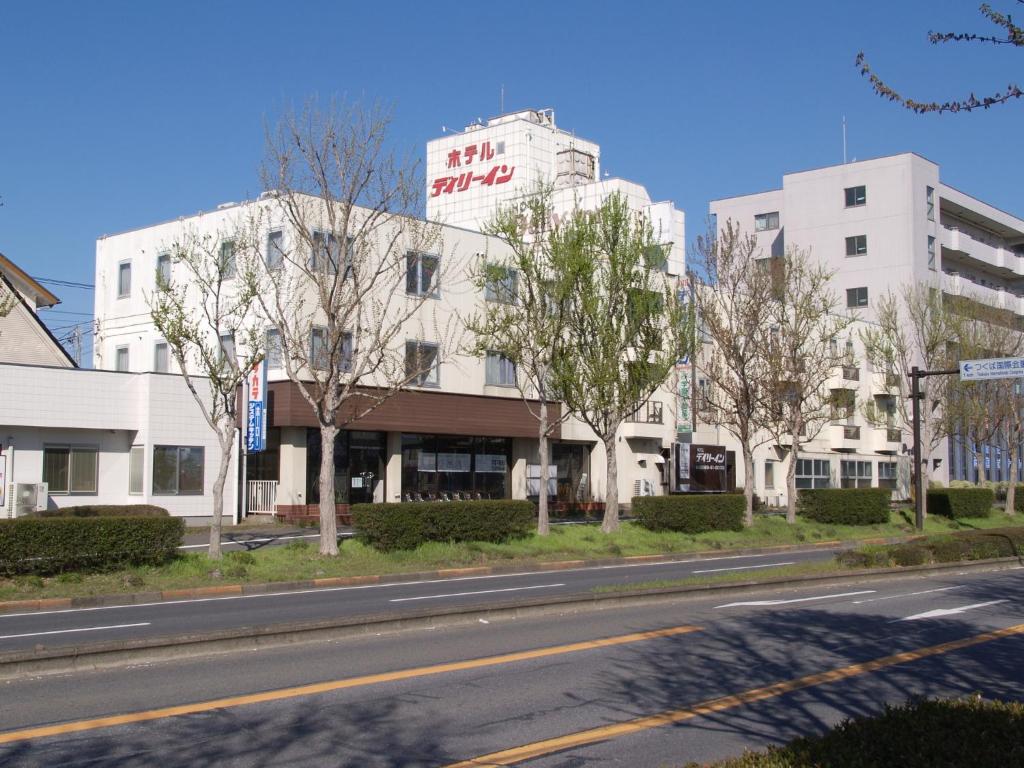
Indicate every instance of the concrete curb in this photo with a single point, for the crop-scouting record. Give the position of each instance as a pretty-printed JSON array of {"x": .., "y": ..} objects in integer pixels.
[
  {"x": 132, "y": 598},
  {"x": 47, "y": 661}
]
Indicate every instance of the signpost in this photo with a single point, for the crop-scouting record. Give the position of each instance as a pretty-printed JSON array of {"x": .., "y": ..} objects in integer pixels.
[{"x": 993, "y": 368}]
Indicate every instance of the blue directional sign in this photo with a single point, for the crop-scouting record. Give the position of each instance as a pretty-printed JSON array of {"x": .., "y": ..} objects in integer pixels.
[{"x": 993, "y": 368}]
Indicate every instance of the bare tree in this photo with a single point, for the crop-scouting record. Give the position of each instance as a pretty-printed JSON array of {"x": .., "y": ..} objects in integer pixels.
[
  {"x": 523, "y": 320},
  {"x": 352, "y": 271},
  {"x": 803, "y": 355},
  {"x": 624, "y": 322},
  {"x": 205, "y": 312},
  {"x": 1009, "y": 34},
  {"x": 733, "y": 296},
  {"x": 915, "y": 327}
]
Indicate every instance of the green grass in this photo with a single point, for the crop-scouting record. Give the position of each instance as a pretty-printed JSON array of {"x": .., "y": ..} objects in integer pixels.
[{"x": 299, "y": 560}]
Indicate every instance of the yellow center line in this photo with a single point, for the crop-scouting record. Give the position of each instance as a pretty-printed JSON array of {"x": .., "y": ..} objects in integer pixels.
[
  {"x": 607, "y": 732},
  {"x": 337, "y": 685}
]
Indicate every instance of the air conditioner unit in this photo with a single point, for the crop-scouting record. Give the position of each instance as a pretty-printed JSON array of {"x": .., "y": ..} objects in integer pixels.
[{"x": 30, "y": 497}]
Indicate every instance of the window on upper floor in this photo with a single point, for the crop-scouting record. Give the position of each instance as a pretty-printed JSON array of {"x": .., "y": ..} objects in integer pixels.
[
  {"x": 124, "y": 280},
  {"x": 857, "y": 245},
  {"x": 320, "y": 354},
  {"x": 766, "y": 221},
  {"x": 326, "y": 254},
  {"x": 500, "y": 371},
  {"x": 70, "y": 469},
  {"x": 163, "y": 270},
  {"x": 931, "y": 252},
  {"x": 227, "y": 349},
  {"x": 228, "y": 262},
  {"x": 161, "y": 357},
  {"x": 121, "y": 359},
  {"x": 855, "y": 196},
  {"x": 856, "y": 297},
  {"x": 273, "y": 350},
  {"x": 929, "y": 198},
  {"x": 502, "y": 284},
  {"x": 422, "y": 366},
  {"x": 421, "y": 274},
  {"x": 275, "y": 249}
]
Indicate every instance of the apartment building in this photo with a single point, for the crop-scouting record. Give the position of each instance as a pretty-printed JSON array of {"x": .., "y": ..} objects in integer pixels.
[{"x": 880, "y": 224}]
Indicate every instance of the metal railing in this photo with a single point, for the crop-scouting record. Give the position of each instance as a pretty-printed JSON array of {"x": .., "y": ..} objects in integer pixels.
[
  {"x": 893, "y": 435},
  {"x": 651, "y": 412},
  {"x": 262, "y": 498},
  {"x": 851, "y": 433},
  {"x": 851, "y": 373}
]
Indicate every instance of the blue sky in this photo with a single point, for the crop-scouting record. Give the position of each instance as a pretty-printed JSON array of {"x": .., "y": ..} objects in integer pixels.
[{"x": 115, "y": 115}]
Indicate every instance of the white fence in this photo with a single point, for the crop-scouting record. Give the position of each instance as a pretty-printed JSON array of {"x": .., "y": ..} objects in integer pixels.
[{"x": 262, "y": 498}]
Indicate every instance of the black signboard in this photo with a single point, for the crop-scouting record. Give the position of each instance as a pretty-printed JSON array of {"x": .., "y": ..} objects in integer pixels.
[{"x": 709, "y": 468}]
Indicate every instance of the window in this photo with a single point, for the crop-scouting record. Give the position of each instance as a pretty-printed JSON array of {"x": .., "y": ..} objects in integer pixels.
[
  {"x": 326, "y": 255},
  {"x": 765, "y": 221},
  {"x": 813, "y": 473},
  {"x": 887, "y": 477},
  {"x": 177, "y": 470},
  {"x": 856, "y": 196},
  {"x": 275, "y": 249},
  {"x": 124, "y": 280},
  {"x": 319, "y": 354},
  {"x": 856, "y": 297},
  {"x": 501, "y": 371},
  {"x": 273, "y": 349},
  {"x": 70, "y": 469},
  {"x": 227, "y": 349},
  {"x": 769, "y": 474},
  {"x": 854, "y": 474},
  {"x": 421, "y": 364},
  {"x": 136, "y": 458},
  {"x": 929, "y": 196},
  {"x": 499, "y": 148},
  {"x": 228, "y": 267},
  {"x": 857, "y": 245},
  {"x": 931, "y": 252},
  {"x": 163, "y": 270},
  {"x": 161, "y": 357},
  {"x": 502, "y": 284},
  {"x": 842, "y": 403},
  {"x": 421, "y": 274},
  {"x": 121, "y": 359}
]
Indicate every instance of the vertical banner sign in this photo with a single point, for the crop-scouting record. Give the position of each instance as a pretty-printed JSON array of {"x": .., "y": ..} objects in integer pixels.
[
  {"x": 3, "y": 480},
  {"x": 684, "y": 403},
  {"x": 256, "y": 409}
]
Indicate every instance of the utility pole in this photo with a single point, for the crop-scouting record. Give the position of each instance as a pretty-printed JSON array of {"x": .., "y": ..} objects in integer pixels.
[{"x": 916, "y": 374}]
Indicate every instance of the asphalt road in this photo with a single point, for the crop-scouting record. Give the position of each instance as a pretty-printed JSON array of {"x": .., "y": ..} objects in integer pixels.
[
  {"x": 92, "y": 625},
  {"x": 435, "y": 698}
]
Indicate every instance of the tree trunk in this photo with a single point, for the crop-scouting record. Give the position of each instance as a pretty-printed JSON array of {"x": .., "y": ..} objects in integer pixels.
[
  {"x": 328, "y": 510},
  {"x": 791, "y": 485},
  {"x": 1011, "y": 486},
  {"x": 748, "y": 484},
  {"x": 543, "y": 527},
  {"x": 227, "y": 441},
  {"x": 979, "y": 456},
  {"x": 610, "y": 524}
]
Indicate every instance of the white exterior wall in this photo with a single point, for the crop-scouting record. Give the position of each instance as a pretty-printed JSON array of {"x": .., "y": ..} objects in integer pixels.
[{"x": 109, "y": 411}]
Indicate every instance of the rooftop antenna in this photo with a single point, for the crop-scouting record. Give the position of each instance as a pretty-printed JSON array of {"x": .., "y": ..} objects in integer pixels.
[
  {"x": 844, "y": 139},
  {"x": 501, "y": 101}
]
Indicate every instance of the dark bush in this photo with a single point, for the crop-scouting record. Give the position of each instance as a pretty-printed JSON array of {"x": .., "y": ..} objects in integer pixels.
[
  {"x": 106, "y": 510},
  {"x": 405, "y": 526},
  {"x": 921, "y": 734},
  {"x": 956, "y": 503},
  {"x": 909, "y": 554},
  {"x": 690, "y": 513},
  {"x": 947, "y": 550},
  {"x": 52, "y": 545},
  {"x": 845, "y": 506},
  {"x": 1018, "y": 499}
]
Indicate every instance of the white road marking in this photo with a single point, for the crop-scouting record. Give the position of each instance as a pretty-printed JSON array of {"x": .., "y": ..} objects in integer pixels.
[
  {"x": 229, "y": 542},
  {"x": 81, "y": 629},
  {"x": 481, "y": 592},
  {"x": 744, "y": 567},
  {"x": 391, "y": 585},
  {"x": 796, "y": 600},
  {"x": 906, "y": 594},
  {"x": 939, "y": 612}
]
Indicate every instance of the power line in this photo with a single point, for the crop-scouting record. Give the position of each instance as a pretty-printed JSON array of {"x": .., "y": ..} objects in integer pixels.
[
  {"x": 64, "y": 312},
  {"x": 65, "y": 283}
]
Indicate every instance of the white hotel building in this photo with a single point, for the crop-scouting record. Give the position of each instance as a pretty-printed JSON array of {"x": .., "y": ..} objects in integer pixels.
[
  {"x": 881, "y": 224},
  {"x": 466, "y": 430}
]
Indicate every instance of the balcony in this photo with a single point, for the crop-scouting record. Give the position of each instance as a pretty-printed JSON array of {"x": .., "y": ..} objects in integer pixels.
[
  {"x": 979, "y": 245},
  {"x": 958, "y": 285},
  {"x": 851, "y": 373},
  {"x": 893, "y": 435},
  {"x": 646, "y": 421},
  {"x": 851, "y": 432},
  {"x": 844, "y": 438}
]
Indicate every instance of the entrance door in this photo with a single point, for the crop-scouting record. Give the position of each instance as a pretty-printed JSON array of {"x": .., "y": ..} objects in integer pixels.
[{"x": 366, "y": 466}]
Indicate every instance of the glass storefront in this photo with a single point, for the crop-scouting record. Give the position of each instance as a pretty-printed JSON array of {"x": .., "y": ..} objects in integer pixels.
[
  {"x": 450, "y": 467},
  {"x": 359, "y": 466},
  {"x": 570, "y": 479},
  {"x": 266, "y": 464}
]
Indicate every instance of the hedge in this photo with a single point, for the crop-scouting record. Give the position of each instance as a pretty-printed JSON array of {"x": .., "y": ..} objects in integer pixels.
[
  {"x": 845, "y": 506},
  {"x": 949, "y": 548},
  {"x": 1018, "y": 499},
  {"x": 919, "y": 734},
  {"x": 956, "y": 503},
  {"x": 389, "y": 527},
  {"x": 106, "y": 510},
  {"x": 50, "y": 545},
  {"x": 690, "y": 513}
]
